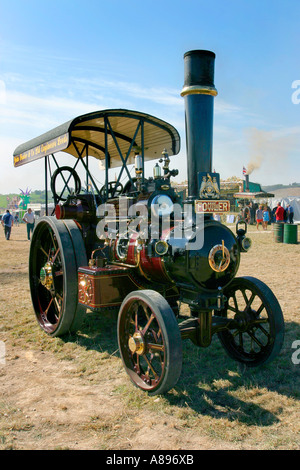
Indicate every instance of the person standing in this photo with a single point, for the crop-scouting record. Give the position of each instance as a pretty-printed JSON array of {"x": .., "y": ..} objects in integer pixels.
[
  {"x": 29, "y": 220},
  {"x": 252, "y": 213},
  {"x": 266, "y": 218},
  {"x": 247, "y": 214},
  {"x": 7, "y": 222},
  {"x": 290, "y": 214},
  {"x": 259, "y": 217},
  {"x": 279, "y": 214}
]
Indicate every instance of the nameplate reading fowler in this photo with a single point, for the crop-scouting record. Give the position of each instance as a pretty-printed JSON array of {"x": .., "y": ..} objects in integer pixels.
[{"x": 211, "y": 206}]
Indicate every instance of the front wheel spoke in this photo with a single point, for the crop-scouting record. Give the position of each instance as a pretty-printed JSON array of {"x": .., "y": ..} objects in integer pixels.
[
  {"x": 253, "y": 337},
  {"x": 133, "y": 319},
  {"x": 159, "y": 334},
  {"x": 144, "y": 331},
  {"x": 265, "y": 332},
  {"x": 156, "y": 347},
  {"x": 258, "y": 312},
  {"x": 259, "y": 321},
  {"x": 136, "y": 323},
  {"x": 251, "y": 299},
  {"x": 155, "y": 335},
  {"x": 245, "y": 297},
  {"x": 150, "y": 366},
  {"x": 229, "y": 307},
  {"x": 145, "y": 310},
  {"x": 136, "y": 361},
  {"x": 235, "y": 303}
]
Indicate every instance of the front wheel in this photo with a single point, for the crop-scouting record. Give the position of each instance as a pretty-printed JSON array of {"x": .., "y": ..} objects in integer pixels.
[
  {"x": 149, "y": 341},
  {"x": 258, "y": 334}
]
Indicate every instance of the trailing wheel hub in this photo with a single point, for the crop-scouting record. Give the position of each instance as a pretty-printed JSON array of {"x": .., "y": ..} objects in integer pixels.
[
  {"x": 136, "y": 343},
  {"x": 46, "y": 276}
]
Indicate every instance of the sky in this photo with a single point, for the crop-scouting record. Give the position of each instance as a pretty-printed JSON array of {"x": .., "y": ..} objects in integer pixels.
[{"x": 61, "y": 59}]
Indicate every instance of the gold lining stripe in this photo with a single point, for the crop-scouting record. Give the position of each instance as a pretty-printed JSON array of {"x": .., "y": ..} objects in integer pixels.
[
  {"x": 199, "y": 90},
  {"x": 165, "y": 272}
]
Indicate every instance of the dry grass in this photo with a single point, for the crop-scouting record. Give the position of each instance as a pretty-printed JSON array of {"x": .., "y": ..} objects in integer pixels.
[{"x": 73, "y": 393}]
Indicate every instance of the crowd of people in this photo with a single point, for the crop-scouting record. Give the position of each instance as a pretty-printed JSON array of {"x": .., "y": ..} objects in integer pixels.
[
  {"x": 262, "y": 214},
  {"x": 8, "y": 221},
  {"x": 252, "y": 213}
]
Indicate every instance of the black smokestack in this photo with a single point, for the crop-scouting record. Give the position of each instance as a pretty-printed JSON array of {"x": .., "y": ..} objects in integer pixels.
[
  {"x": 247, "y": 182},
  {"x": 198, "y": 91}
]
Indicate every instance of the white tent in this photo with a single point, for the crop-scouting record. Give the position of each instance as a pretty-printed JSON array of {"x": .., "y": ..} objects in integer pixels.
[{"x": 294, "y": 201}]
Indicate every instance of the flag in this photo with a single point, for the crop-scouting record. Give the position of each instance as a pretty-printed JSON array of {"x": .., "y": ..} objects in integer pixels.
[{"x": 244, "y": 171}]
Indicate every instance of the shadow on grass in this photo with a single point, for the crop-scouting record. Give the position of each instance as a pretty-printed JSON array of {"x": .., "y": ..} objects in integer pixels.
[
  {"x": 98, "y": 333},
  {"x": 211, "y": 383}
]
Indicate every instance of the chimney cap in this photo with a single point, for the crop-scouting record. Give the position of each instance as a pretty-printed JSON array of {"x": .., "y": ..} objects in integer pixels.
[{"x": 200, "y": 52}]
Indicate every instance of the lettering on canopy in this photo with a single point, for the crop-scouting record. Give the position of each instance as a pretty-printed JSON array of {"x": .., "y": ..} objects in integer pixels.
[{"x": 52, "y": 146}]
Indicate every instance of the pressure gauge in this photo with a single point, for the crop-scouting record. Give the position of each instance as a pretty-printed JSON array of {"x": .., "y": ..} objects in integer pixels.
[
  {"x": 162, "y": 205},
  {"x": 161, "y": 247}
]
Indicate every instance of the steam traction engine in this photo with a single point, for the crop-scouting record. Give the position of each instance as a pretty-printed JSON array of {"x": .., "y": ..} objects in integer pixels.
[{"x": 141, "y": 250}]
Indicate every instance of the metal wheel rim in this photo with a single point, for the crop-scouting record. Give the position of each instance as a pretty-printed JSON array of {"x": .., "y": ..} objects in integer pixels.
[{"x": 147, "y": 369}]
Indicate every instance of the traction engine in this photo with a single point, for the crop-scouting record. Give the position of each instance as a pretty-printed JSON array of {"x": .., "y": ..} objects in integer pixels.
[{"x": 142, "y": 249}]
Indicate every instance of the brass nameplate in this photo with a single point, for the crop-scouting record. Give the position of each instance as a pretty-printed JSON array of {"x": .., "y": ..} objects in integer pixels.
[{"x": 211, "y": 206}]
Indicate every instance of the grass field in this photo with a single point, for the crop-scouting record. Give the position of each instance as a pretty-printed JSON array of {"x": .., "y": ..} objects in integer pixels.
[{"x": 73, "y": 393}]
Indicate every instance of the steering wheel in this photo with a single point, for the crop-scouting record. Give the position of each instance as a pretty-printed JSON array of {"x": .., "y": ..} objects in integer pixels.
[
  {"x": 114, "y": 189},
  {"x": 129, "y": 186},
  {"x": 69, "y": 181}
]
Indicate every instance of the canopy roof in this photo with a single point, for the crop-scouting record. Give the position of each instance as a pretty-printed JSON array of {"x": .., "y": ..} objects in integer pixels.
[
  {"x": 104, "y": 134},
  {"x": 250, "y": 195}
]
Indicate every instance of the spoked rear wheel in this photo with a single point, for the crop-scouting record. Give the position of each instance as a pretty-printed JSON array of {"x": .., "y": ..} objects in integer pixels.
[
  {"x": 56, "y": 250},
  {"x": 150, "y": 341},
  {"x": 259, "y": 334}
]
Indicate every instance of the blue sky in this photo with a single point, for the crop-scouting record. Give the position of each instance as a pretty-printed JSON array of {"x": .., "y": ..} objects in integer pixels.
[{"x": 61, "y": 59}]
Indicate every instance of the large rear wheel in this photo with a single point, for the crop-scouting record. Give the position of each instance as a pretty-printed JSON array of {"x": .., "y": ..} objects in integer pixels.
[
  {"x": 150, "y": 341},
  {"x": 56, "y": 251}
]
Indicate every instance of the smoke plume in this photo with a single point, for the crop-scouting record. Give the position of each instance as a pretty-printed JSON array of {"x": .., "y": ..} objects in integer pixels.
[
  {"x": 271, "y": 147},
  {"x": 258, "y": 143}
]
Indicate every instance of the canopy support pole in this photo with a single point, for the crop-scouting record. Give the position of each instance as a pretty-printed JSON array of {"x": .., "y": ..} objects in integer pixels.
[
  {"x": 124, "y": 160},
  {"x": 46, "y": 184},
  {"x": 84, "y": 165}
]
